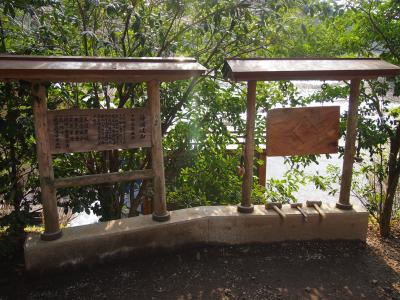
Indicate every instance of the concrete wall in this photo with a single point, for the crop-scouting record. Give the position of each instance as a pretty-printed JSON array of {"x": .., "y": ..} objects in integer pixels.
[{"x": 199, "y": 225}]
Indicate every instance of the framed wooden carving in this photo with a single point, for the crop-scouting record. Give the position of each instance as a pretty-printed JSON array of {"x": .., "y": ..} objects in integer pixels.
[
  {"x": 80, "y": 130},
  {"x": 302, "y": 131}
]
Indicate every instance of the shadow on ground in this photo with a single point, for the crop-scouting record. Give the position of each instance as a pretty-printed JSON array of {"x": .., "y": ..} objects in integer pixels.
[{"x": 293, "y": 270}]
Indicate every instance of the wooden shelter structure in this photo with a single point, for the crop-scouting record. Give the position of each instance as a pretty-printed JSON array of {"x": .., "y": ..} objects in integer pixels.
[
  {"x": 76, "y": 130},
  {"x": 253, "y": 70}
]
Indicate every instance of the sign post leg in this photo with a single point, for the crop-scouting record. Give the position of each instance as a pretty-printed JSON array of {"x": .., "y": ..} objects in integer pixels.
[
  {"x": 350, "y": 148},
  {"x": 48, "y": 192},
  {"x": 262, "y": 169},
  {"x": 160, "y": 212},
  {"x": 245, "y": 205}
]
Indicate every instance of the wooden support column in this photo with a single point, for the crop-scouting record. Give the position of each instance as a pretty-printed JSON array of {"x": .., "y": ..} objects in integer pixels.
[
  {"x": 245, "y": 205},
  {"x": 48, "y": 192},
  {"x": 160, "y": 212},
  {"x": 350, "y": 148},
  {"x": 262, "y": 169}
]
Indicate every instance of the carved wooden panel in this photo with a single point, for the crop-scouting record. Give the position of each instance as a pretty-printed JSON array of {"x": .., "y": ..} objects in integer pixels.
[
  {"x": 302, "y": 131},
  {"x": 80, "y": 130}
]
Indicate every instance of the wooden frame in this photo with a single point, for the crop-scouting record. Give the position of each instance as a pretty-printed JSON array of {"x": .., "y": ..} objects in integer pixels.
[
  {"x": 263, "y": 69},
  {"x": 85, "y": 132}
]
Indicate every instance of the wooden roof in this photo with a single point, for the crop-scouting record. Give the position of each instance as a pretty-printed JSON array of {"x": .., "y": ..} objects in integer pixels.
[
  {"x": 97, "y": 69},
  {"x": 303, "y": 68}
]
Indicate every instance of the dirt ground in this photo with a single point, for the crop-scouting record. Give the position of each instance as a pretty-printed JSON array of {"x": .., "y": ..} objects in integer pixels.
[{"x": 292, "y": 270}]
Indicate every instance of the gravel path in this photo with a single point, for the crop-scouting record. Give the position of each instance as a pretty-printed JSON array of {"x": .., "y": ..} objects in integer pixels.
[{"x": 292, "y": 270}]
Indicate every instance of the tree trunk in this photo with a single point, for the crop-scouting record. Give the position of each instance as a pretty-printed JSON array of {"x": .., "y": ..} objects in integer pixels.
[
  {"x": 16, "y": 193},
  {"x": 393, "y": 180},
  {"x": 108, "y": 194}
]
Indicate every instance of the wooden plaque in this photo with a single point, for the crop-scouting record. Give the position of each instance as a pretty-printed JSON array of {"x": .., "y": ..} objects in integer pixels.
[
  {"x": 303, "y": 131},
  {"x": 80, "y": 130}
]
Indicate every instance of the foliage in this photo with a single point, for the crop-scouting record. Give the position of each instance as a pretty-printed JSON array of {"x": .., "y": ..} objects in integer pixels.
[
  {"x": 18, "y": 181},
  {"x": 281, "y": 190}
]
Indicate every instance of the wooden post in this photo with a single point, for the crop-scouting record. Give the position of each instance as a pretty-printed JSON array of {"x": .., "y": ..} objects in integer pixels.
[
  {"x": 350, "y": 148},
  {"x": 48, "y": 192},
  {"x": 160, "y": 212},
  {"x": 147, "y": 209},
  {"x": 245, "y": 205},
  {"x": 262, "y": 169}
]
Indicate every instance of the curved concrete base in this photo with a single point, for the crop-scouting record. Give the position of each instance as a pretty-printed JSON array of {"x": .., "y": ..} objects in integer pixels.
[{"x": 199, "y": 225}]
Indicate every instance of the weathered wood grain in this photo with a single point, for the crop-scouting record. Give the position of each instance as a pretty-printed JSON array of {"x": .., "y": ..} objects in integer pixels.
[
  {"x": 92, "y": 69},
  {"x": 305, "y": 68},
  {"x": 246, "y": 206},
  {"x": 160, "y": 212},
  {"x": 302, "y": 131},
  {"x": 80, "y": 130},
  {"x": 46, "y": 174},
  {"x": 102, "y": 178},
  {"x": 350, "y": 147},
  {"x": 6, "y": 57}
]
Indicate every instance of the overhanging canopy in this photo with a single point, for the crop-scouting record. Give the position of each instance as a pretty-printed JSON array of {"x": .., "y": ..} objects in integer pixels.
[
  {"x": 307, "y": 69},
  {"x": 97, "y": 69}
]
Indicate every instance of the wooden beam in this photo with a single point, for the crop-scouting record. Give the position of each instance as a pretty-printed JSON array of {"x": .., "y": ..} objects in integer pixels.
[
  {"x": 90, "y": 69},
  {"x": 350, "y": 148},
  {"x": 48, "y": 193},
  {"x": 245, "y": 205},
  {"x": 102, "y": 178},
  {"x": 160, "y": 212},
  {"x": 271, "y": 69}
]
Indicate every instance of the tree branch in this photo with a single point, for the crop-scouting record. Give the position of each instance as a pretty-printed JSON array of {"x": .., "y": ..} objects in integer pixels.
[
  {"x": 3, "y": 38},
  {"x": 163, "y": 45}
]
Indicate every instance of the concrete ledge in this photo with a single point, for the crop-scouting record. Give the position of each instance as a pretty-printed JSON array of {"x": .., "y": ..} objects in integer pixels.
[{"x": 199, "y": 225}]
